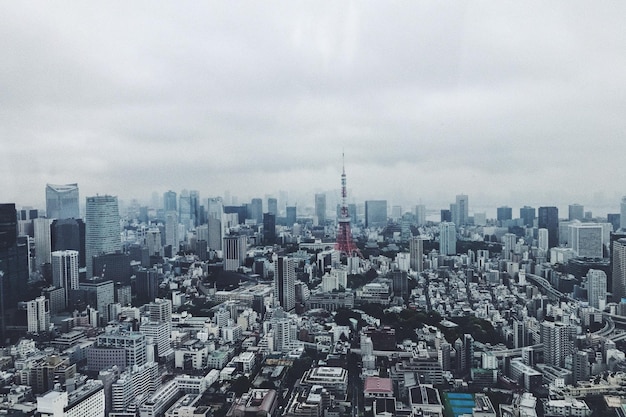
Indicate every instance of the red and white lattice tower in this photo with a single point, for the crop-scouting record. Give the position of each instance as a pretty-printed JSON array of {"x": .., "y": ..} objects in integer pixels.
[{"x": 344, "y": 243}]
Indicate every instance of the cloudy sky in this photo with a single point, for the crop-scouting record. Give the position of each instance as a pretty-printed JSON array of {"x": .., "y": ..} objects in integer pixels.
[{"x": 508, "y": 102}]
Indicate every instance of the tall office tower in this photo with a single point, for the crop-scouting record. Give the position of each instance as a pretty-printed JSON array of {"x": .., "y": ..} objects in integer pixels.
[
  {"x": 622, "y": 217},
  {"x": 345, "y": 243},
  {"x": 527, "y": 214},
  {"x": 619, "y": 269},
  {"x": 169, "y": 201},
  {"x": 454, "y": 213},
  {"x": 272, "y": 206},
  {"x": 255, "y": 210},
  {"x": 285, "y": 282},
  {"x": 396, "y": 212},
  {"x": 14, "y": 268},
  {"x": 614, "y": 219},
  {"x": 445, "y": 216},
  {"x": 102, "y": 228},
  {"x": 596, "y": 288},
  {"x": 99, "y": 293},
  {"x": 420, "y": 214},
  {"x": 147, "y": 285},
  {"x": 587, "y": 239},
  {"x": 184, "y": 209},
  {"x": 576, "y": 212},
  {"x": 416, "y": 253},
  {"x": 519, "y": 334},
  {"x": 504, "y": 213},
  {"x": 171, "y": 231},
  {"x": 195, "y": 208},
  {"x": 269, "y": 229},
  {"x": 216, "y": 233},
  {"x": 447, "y": 238},
  {"x": 62, "y": 201},
  {"x": 43, "y": 244},
  {"x": 69, "y": 234},
  {"x": 462, "y": 209},
  {"x": 549, "y": 219},
  {"x": 65, "y": 272},
  {"x": 320, "y": 208},
  {"x": 234, "y": 252},
  {"x": 38, "y": 315},
  {"x": 542, "y": 239},
  {"x": 480, "y": 218},
  {"x": 291, "y": 216},
  {"x": 557, "y": 341},
  {"x": 154, "y": 242},
  {"x": 509, "y": 240},
  {"x": 375, "y": 213}
]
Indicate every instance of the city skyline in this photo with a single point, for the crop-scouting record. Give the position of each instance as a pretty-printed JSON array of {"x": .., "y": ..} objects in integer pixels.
[{"x": 508, "y": 103}]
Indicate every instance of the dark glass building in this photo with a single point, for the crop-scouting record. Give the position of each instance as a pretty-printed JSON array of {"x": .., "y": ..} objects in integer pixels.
[{"x": 549, "y": 219}]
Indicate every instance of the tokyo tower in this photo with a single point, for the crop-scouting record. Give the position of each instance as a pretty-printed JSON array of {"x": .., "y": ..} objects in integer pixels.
[{"x": 344, "y": 243}]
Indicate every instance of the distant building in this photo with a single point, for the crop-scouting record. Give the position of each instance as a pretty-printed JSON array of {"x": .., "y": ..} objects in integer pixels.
[
  {"x": 549, "y": 219},
  {"x": 416, "y": 253},
  {"x": 234, "y": 252},
  {"x": 460, "y": 216},
  {"x": 284, "y": 282},
  {"x": 62, "y": 201},
  {"x": 619, "y": 269},
  {"x": 65, "y": 272},
  {"x": 447, "y": 238},
  {"x": 504, "y": 213},
  {"x": 527, "y": 214},
  {"x": 587, "y": 239},
  {"x": 102, "y": 228},
  {"x": 320, "y": 208},
  {"x": 576, "y": 212},
  {"x": 38, "y": 315},
  {"x": 375, "y": 213},
  {"x": 420, "y": 214}
]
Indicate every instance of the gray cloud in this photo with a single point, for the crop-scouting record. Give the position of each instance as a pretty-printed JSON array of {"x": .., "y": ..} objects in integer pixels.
[{"x": 504, "y": 101}]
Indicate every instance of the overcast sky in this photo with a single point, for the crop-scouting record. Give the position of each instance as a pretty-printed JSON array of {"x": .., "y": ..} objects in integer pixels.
[{"x": 508, "y": 102}]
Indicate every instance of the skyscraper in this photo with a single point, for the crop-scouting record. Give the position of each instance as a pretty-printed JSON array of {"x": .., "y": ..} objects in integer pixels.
[
  {"x": 596, "y": 288},
  {"x": 171, "y": 231},
  {"x": 43, "y": 244},
  {"x": 62, "y": 201},
  {"x": 272, "y": 206},
  {"x": 619, "y": 269},
  {"x": 542, "y": 240},
  {"x": 269, "y": 229},
  {"x": 169, "y": 201},
  {"x": 416, "y": 253},
  {"x": 527, "y": 214},
  {"x": 255, "y": 210},
  {"x": 557, "y": 341},
  {"x": 504, "y": 213},
  {"x": 320, "y": 208},
  {"x": 69, "y": 234},
  {"x": 549, "y": 219},
  {"x": 102, "y": 228},
  {"x": 184, "y": 209},
  {"x": 65, "y": 271},
  {"x": 576, "y": 212},
  {"x": 622, "y": 218},
  {"x": 234, "y": 252},
  {"x": 375, "y": 213},
  {"x": 284, "y": 282},
  {"x": 447, "y": 238},
  {"x": 462, "y": 210},
  {"x": 420, "y": 214},
  {"x": 291, "y": 216}
]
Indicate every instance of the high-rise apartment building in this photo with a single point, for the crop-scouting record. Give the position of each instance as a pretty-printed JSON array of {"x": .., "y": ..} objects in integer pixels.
[
  {"x": 62, "y": 201},
  {"x": 65, "y": 272},
  {"x": 542, "y": 240},
  {"x": 416, "y": 253},
  {"x": 619, "y": 269},
  {"x": 320, "y": 208},
  {"x": 38, "y": 315},
  {"x": 234, "y": 252},
  {"x": 171, "y": 231},
  {"x": 284, "y": 282},
  {"x": 576, "y": 212},
  {"x": 557, "y": 341},
  {"x": 548, "y": 218},
  {"x": 102, "y": 228},
  {"x": 596, "y": 288},
  {"x": 447, "y": 238},
  {"x": 462, "y": 210},
  {"x": 622, "y": 218},
  {"x": 375, "y": 213}
]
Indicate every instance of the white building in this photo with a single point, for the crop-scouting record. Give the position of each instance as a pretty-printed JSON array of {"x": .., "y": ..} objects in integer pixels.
[
  {"x": 447, "y": 238},
  {"x": 38, "y": 315},
  {"x": 86, "y": 401}
]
